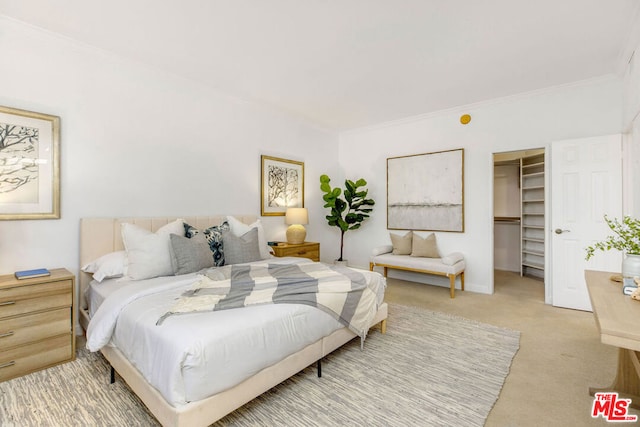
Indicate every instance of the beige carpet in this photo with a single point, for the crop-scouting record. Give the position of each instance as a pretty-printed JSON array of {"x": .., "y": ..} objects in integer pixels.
[{"x": 430, "y": 369}]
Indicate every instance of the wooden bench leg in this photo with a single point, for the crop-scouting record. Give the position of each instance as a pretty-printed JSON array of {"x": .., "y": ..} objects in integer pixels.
[
  {"x": 462, "y": 280},
  {"x": 384, "y": 269},
  {"x": 383, "y": 326},
  {"x": 452, "y": 282}
]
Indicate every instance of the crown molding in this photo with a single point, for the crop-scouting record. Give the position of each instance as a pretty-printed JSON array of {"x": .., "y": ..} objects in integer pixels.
[{"x": 482, "y": 104}]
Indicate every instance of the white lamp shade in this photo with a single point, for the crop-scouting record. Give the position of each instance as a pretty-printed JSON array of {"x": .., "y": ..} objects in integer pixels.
[{"x": 296, "y": 216}]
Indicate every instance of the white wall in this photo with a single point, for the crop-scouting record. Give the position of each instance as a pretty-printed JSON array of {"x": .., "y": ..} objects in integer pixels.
[
  {"x": 137, "y": 141},
  {"x": 520, "y": 122},
  {"x": 631, "y": 124}
]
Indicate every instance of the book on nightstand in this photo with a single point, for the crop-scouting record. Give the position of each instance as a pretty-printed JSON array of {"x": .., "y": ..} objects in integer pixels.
[{"x": 29, "y": 274}]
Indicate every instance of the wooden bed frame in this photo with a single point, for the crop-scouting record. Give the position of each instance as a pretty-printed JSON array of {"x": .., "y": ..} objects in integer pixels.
[{"x": 99, "y": 236}]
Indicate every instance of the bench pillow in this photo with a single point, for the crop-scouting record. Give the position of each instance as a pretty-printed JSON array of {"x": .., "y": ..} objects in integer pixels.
[
  {"x": 401, "y": 244},
  {"x": 425, "y": 247},
  {"x": 452, "y": 258}
]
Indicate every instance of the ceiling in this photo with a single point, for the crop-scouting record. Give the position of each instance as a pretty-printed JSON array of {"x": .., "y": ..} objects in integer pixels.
[{"x": 344, "y": 64}]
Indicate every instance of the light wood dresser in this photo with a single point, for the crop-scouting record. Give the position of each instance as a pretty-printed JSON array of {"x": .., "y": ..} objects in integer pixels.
[
  {"x": 617, "y": 319},
  {"x": 309, "y": 250},
  {"x": 37, "y": 325}
]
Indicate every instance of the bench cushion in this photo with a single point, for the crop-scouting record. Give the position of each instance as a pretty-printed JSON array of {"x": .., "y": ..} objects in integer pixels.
[{"x": 418, "y": 263}]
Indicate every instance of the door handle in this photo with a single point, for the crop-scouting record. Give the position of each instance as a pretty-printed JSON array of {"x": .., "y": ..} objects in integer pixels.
[{"x": 560, "y": 231}]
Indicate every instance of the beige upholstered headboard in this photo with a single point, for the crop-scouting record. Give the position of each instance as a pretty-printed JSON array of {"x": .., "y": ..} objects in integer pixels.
[{"x": 99, "y": 236}]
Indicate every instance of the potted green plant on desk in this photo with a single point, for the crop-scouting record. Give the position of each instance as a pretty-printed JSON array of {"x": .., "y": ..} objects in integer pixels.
[
  {"x": 349, "y": 212},
  {"x": 625, "y": 238}
]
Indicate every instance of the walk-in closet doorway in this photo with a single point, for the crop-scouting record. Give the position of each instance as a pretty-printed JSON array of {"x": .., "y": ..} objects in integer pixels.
[{"x": 519, "y": 212}]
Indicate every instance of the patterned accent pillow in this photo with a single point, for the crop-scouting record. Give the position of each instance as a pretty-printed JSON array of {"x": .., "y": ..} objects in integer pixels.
[{"x": 214, "y": 238}]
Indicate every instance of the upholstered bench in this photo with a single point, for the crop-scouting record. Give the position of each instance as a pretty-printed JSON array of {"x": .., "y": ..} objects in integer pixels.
[{"x": 450, "y": 266}]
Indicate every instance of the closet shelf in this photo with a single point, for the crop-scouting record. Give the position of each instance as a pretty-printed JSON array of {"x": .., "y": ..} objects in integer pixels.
[
  {"x": 533, "y": 265},
  {"x": 532, "y": 174},
  {"x": 533, "y": 239},
  {"x": 532, "y": 252},
  {"x": 532, "y": 171},
  {"x": 533, "y": 165}
]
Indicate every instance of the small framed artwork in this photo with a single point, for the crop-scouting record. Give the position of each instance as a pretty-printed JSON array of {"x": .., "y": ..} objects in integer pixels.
[
  {"x": 426, "y": 191},
  {"x": 29, "y": 165},
  {"x": 281, "y": 184}
]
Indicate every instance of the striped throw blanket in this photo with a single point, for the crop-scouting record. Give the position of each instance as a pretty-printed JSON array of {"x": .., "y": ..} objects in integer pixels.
[{"x": 339, "y": 291}]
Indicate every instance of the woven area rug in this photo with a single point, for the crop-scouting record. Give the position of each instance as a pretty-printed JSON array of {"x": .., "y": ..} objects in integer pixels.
[{"x": 430, "y": 369}]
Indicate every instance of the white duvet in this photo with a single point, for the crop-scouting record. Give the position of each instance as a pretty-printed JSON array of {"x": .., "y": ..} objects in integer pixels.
[{"x": 193, "y": 356}]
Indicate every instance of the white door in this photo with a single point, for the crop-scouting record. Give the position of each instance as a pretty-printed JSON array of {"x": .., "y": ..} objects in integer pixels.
[{"x": 586, "y": 184}]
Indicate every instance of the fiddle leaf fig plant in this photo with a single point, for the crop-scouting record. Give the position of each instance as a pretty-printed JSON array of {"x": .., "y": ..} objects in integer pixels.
[{"x": 349, "y": 211}]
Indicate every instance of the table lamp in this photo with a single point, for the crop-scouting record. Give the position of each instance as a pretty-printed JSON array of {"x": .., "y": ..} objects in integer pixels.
[{"x": 296, "y": 217}]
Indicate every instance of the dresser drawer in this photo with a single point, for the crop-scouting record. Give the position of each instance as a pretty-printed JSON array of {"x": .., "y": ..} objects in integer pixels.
[
  {"x": 313, "y": 255},
  {"x": 32, "y": 357},
  {"x": 16, "y": 293},
  {"x": 297, "y": 251},
  {"x": 33, "y": 327},
  {"x": 23, "y": 306}
]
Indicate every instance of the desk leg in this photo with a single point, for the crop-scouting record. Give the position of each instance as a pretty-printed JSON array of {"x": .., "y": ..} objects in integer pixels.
[{"x": 627, "y": 381}]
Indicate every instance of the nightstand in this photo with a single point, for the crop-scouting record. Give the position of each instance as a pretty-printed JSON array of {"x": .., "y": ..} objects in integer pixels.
[
  {"x": 309, "y": 250},
  {"x": 37, "y": 325}
]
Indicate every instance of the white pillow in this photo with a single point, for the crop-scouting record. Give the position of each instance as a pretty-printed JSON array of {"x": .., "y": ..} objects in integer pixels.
[
  {"x": 148, "y": 253},
  {"x": 107, "y": 266},
  {"x": 452, "y": 258},
  {"x": 239, "y": 228}
]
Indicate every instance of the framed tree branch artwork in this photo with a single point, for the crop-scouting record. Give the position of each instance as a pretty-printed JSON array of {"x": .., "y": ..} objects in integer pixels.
[
  {"x": 282, "y": 185},
  {"x": 426, "y": 191},
  {"x": 29, "y": 165}
]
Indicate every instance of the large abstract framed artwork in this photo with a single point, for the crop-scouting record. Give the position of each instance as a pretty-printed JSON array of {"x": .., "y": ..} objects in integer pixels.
[
  {"x": 426, "y": 191},
  {"x": 29, "y": 165},
  {"x": 282, "y": 185}
]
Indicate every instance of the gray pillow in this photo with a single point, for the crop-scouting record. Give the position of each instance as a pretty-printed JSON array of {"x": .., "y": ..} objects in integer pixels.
[
  {"x": 239, "y": 249},
  {"x": 190, "y": 255}
]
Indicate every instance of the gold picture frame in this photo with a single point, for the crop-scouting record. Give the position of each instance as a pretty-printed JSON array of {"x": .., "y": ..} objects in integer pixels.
[
  {"x": 281, "y": 185},
  {"x": 29, "y": 165}
]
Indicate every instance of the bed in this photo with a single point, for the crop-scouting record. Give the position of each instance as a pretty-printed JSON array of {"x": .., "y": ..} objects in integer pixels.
[{"x": 188, "y": 398}]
